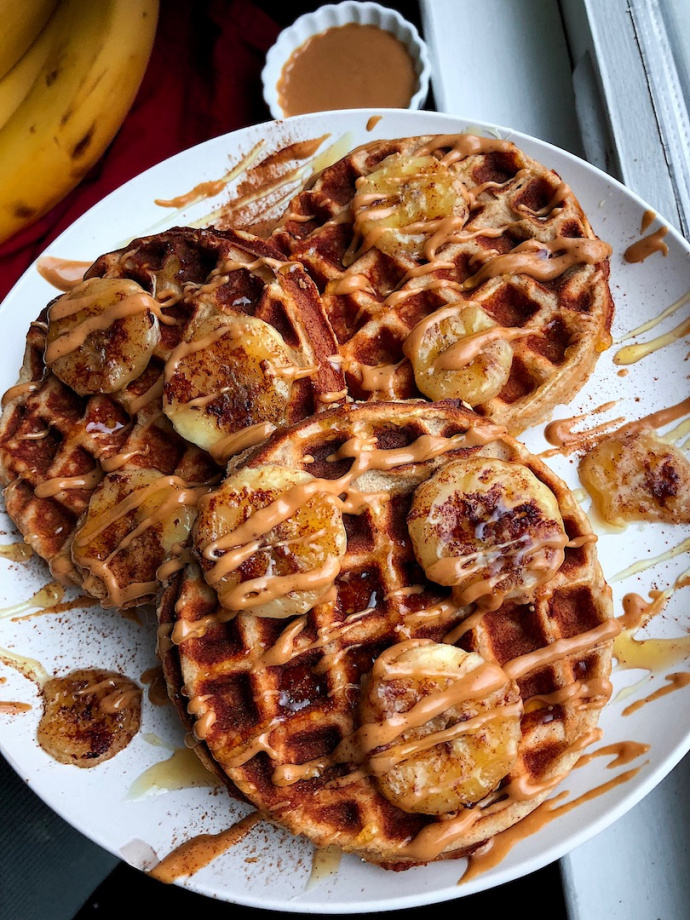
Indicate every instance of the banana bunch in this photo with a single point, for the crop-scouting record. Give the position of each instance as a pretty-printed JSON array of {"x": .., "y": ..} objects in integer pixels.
[{"x": 71, "y": 71}]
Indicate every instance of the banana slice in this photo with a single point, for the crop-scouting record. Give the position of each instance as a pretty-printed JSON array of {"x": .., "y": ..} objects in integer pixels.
[
  {"x": 634, "y": 475},
  {"x": 89, "y": 716},
  {"x": 134, "y": 520},
  {"x": 232, "y": 371},
  {"x": 269, "y": 542},
  {"x": 101, "y": 335},
  {"x": 489, "y": 528},
  {"x": 455, "y": 719},
  {"x": 456, "y": 355},
  {"x": 401, "y": 193}
]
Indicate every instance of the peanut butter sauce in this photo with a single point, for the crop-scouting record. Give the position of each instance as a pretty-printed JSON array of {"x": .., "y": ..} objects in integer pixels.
[
  {"x": 642, "y": 249},
  {"x": 347, "y": 67}
]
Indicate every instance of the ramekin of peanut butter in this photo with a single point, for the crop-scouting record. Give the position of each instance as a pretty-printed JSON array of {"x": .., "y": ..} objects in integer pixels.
[{"x": 344, "y": 56}]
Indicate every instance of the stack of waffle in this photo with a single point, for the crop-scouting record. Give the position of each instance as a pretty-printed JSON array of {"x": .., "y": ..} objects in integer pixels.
[{"x": 382, "y": 620}]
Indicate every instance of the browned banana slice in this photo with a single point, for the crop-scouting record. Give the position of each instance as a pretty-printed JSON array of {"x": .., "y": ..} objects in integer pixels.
[
  {"x": 101, "y": 335},
  {"x": 89, "y": 716},
  {"x": 396, "y": 204},
  {"x": 233, "y": 371},
  {"x": 449, "y": 722},
  {"x": 135, "y": 520},
  {"x": 489, "y": 528},
  {"x": 268, "y": 544}
]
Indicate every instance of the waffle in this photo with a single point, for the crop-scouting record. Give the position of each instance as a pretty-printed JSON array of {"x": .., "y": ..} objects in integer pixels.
[
  {"x": 59, "y": 447},
  {"x": 278, "y": 705},
  {"x": 398, "y": 230}
]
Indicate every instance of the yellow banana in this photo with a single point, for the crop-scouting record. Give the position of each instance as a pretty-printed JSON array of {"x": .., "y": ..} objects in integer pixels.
[
  {"x": 76, "y": 105},
  {"x": 22, "y": 21},
  {"x": 15, "y": 85}
]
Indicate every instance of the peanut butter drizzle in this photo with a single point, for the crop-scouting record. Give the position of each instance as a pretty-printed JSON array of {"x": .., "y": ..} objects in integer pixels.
[
  {"x": 234, "y": 331},
  {"x": 658, "y": 419},
  {"x": 237, "y": 441},
  {"x": 213, "y": 186},
  {"x": 493, "y": 852},
  {"x": 203, "y": 190},
  {"x": 647, "y": 219},
  {"x": 257, "y": 591},
  {"x": 12, "y": 707},
  {"x": 562, "y": 648},
  {"x": 356, "y": 747},
  {"x": 63, "y": 274},
  {"x": 463, "y": 146},
  {"x": 598, "y": 691},
  {"x": 485, "y": 593},
  {"x": 52, "y": 487},
  {"x": 374, "y": 379},
  {"x": 153, "y": 394},
  {"x": 365, "y": 457},
  {"x": 467, "y": 349},
  {"x": 334, "y": 396},
  {"x": 642, "y": 249},
  {"x": 194, "y": 854},
  {"x": 675, "y": 682},
  {"x": 560, "y": 432},
  {"x": 136, "y": 300},
  {"x": 123, "y": 693},
  {"x": 537, "y": 259},
  {"x": 624, "y": 752}
]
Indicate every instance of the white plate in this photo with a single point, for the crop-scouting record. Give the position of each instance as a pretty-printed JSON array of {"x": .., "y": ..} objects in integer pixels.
[{"x": 271, "y": 869}]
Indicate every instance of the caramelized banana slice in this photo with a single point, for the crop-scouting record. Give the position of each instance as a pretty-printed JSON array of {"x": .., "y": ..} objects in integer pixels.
[
  {"x": 393, "y": 203},
  {"x": 101, "y": 335},
  {"x": 269, "y": 543},
  {"x": 89, "y": 716},
  {"x": 460, "y": 353},
  {"x": 449, "y": 722},
  {"x": 134, "y": 520},
  {"x": 488, "y": 527},
  {"x": 233, "y": 371},
  {"x": 634, "y": 475}
]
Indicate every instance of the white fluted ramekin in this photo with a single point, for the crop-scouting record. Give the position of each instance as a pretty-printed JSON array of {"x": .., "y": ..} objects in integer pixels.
[{"x": 342, "y": 14}]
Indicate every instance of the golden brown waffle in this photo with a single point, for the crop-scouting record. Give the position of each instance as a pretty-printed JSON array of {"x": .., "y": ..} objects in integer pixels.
[
  {"x": 484, "y": 224},
  {"x": 268, "y": 696},
  {"x": 56, "y": 445}
]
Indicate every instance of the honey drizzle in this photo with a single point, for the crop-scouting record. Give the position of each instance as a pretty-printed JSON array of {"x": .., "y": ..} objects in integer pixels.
[{"x": 650, "y": 324}]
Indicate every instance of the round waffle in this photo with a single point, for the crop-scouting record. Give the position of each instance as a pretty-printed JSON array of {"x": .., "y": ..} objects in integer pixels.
[
  {"x": 402, "y": 236},
  {"x": 282, "y": 705},
  {"x": 61, "y": 443}
]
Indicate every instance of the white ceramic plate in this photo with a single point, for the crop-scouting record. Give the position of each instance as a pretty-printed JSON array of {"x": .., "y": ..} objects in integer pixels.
[{"x": 269, "y": 868}]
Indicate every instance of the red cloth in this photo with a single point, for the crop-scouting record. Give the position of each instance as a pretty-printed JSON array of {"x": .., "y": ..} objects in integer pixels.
[{"x": 203, "y": 80}]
